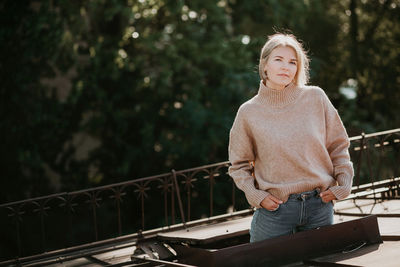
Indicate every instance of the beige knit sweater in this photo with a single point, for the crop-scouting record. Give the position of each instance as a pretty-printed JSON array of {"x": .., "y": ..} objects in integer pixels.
[{"x": 296, "y": 141}]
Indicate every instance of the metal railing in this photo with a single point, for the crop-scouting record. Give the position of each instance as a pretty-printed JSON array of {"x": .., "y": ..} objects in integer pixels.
[{"x": 63, "y": 220}]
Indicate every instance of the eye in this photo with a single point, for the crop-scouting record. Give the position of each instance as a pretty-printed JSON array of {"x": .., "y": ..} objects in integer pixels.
[
  {"x": 277, "y": 59},
  {"x": 293, "y": 63}
]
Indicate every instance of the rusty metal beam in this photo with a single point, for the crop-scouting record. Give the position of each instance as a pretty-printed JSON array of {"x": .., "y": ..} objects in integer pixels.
[
  {"x": 288, "y": 249},
  {"x": 381, "y": 215},
  {"x": 164, "y": 263}
]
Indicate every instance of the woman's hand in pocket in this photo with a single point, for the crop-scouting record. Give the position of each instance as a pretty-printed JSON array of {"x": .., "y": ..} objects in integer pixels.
[
  {"x": 327, "y": 196},
  {"x": 271, "y": 203}
]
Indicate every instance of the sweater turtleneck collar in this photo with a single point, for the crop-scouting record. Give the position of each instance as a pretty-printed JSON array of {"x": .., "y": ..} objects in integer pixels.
[{"x": 278, "y": 98}]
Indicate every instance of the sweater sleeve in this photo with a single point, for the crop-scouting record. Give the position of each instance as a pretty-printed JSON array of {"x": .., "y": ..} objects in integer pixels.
[
  {"x": 241, "y": 153},
  {"x": 337, "y": 144}
]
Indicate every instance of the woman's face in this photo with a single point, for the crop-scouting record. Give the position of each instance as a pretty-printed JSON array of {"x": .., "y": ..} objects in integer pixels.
[{"x": 281, "y": 67}]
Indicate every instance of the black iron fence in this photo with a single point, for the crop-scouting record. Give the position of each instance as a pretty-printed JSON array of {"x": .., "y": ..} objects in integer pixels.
[{"x": 62, "y": 220}]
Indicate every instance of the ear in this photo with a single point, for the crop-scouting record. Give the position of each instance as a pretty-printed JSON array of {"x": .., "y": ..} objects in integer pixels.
[{"x": 266, "y": 74}]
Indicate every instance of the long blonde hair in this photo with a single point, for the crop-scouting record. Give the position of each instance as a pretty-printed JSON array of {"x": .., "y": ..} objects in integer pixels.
[{"x": 282, "y": 39}]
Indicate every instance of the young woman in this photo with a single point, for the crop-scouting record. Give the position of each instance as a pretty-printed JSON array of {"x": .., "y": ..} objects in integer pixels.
[{"x": 288, "y": 147}]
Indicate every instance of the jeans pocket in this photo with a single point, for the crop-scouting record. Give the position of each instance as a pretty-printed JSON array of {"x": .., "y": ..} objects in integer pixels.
[
  {"x": 325, "y": 203},
  {"x": 275, "y": 212},
  {"x": 266, "y": 212}
]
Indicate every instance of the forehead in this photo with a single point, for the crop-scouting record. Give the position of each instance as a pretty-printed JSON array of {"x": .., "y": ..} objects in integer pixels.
[{"x": 284, "y": 51}]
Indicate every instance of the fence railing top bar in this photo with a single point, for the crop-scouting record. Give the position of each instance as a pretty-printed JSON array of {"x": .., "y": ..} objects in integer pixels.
[
  {"x": 98, "y": 188},
  {"x": 358, "y": 137},
  {"x": 131, "y": 181},
  {"x": 203, "y": 167},
  {"x": 63, "y": 194}
]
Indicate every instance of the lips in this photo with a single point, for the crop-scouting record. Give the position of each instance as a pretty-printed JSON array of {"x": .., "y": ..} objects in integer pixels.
[{"x": 283, "y": 75}]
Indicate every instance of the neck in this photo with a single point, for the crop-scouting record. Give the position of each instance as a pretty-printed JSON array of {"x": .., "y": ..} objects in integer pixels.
[
  {"x": 273, "y": 86},
  {"x": 278, "y": 98}
]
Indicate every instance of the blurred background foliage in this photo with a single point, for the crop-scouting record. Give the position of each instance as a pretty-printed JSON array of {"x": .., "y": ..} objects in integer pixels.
[{"x": 96, "y": 92}]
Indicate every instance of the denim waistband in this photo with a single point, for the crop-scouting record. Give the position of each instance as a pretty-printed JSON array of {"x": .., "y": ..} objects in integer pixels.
[{"x": 305, "y": 195}]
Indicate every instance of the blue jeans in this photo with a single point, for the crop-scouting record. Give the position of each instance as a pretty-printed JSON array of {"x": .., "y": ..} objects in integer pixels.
[{"x": 301, "y": 212}]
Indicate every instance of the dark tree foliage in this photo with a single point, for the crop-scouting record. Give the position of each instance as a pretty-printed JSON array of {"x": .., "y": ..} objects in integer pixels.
[
  {"x": 95, "y": 92},
  {"x": 34, "y": 124}
]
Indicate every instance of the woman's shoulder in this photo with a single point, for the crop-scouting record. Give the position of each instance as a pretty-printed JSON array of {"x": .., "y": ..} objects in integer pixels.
[
  {"x": 314, "y": 91},
  {"x": 249, "y": 106}
]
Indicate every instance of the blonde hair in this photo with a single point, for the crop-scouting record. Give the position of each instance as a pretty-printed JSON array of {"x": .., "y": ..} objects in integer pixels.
[{"x": 289, "y": 40}]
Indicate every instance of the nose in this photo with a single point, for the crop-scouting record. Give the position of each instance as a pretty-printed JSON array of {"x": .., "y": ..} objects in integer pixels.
[{"x": 285, "y": 66}]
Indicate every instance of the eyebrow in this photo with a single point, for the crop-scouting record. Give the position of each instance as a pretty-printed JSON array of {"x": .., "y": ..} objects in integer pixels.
[{"x": 293, "y": 59}]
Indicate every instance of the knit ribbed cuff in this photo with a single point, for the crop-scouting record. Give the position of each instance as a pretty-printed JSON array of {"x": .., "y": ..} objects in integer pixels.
[
  {"x": 341, "y": 191},
  {"x": 256, "y": 197}
]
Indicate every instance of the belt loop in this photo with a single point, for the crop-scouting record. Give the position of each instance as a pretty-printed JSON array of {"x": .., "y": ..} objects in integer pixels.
[{"x": 317, "y": 191}]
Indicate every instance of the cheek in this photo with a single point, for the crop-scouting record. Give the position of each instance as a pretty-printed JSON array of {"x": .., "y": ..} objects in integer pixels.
[
  {"x": 294, "y": 70},
  {"x": 270, "y": 67}
]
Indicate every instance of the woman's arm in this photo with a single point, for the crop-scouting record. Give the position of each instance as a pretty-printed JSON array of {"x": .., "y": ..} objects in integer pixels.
[
  {"x": 241, "y": 153},
  {"x": 337, "y": 144}
]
